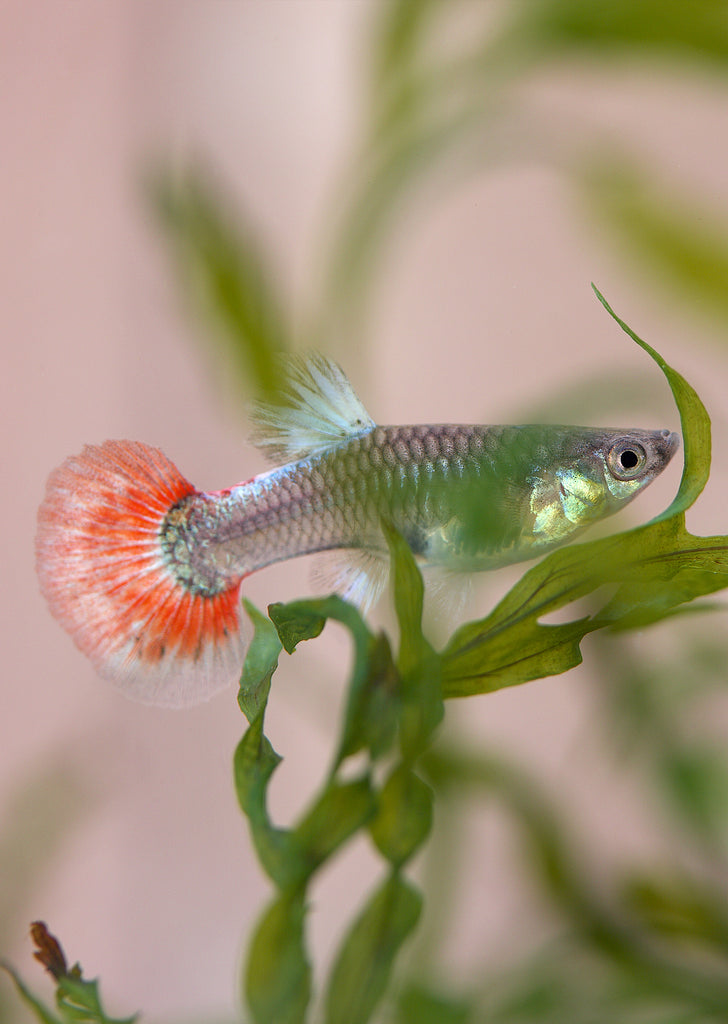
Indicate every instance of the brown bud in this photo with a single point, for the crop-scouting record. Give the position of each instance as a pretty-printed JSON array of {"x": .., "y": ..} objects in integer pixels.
[{"x": 49, "y": 951}]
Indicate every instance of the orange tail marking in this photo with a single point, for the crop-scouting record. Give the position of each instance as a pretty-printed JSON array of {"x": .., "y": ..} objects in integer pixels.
[{"x": 102, "y": 571}]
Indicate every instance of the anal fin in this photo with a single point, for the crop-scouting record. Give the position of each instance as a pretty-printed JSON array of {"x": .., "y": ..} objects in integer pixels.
[{"x": 359, "y": 575}]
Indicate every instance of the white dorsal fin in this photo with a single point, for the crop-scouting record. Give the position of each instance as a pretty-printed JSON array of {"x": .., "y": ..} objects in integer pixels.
[{"x": 315, "y": 409}]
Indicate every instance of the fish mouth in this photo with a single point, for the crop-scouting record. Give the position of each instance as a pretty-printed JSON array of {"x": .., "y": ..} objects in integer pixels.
[{"x": 672, "y": 443}]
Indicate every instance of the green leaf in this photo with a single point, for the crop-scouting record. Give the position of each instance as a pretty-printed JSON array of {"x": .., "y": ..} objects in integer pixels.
[
  {"x": 261, "y": 661},
  {"x": 404, "y": 816},
  {"x": 679, "y": 908},
  {"x": 418, "y": 664},
  {"x": 402, "y": 27},
  {"x": 654, "y": 568},
  {"x": 409, "y": 595},
  {"x": 255, "y": 760},
  {"x": 224, "y": 268},
  {"x": 597, "y": 922},
  {"x": 373, "y": 703},
  {"x": 39, "y": 1009},
  {"x": 364, "y": 962},
  {"x": 419, "y": 1005},
  {"x": 685, "y": 244},
  {"x": 289, "y": 856},
  {"x": 295, "y": 623},
  {"x": 78, "y": 1000},
  {"x": 341, "y": 810},
  {"x": 278, "y": 974},
  {"x": 456, "y": 772},
  {"x": 695, "y": 32},
  {"x": 373, "y": 698},
  {"x": 694, "y": 421},
  {"x": 695, "y": 780}
]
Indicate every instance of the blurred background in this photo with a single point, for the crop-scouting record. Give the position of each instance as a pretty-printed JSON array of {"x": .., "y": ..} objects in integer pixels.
[{"x": 424, "y": 191}]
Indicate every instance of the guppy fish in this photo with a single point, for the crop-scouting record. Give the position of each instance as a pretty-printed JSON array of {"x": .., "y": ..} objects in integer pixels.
[{"x": 144, "y": 571}]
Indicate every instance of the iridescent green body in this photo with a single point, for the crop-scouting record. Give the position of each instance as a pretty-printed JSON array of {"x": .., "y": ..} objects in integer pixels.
[{"x": 464, "y": 497}]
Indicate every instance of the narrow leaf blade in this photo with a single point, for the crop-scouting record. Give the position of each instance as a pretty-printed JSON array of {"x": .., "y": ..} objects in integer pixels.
[
  {"x": 278, "y": 974},
  {"x": 365, "y": 961}
]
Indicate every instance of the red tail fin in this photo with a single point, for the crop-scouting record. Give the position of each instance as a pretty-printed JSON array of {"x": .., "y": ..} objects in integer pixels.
[{"x": 102, "y": 571}]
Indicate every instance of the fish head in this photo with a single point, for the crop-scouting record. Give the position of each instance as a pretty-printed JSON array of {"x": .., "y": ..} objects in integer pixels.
[
  {"x": 634, "y": 460},
  {"x": 596, "y": 473}
]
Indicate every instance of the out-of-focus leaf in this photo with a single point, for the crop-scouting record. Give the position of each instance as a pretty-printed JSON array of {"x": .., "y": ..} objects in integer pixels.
[
  {"x": 44, "y": 809},
  {"x": 679, "y": 908},
  {"x": 431, "y": 112},
  {"x": 653, "y": 708},
  {"x": 696, "y": 31},
  {"x": 221, "y": 261},
  {"x": 454, "y": 773},
  {"x": 278, "y": 974},
  {"x": 37, "y": 1007},
  {"x": 420, "y": 1005},
  {"x": 595, "y": 398},
  {"x": 685, "y": 244},
  {"x": 566, "y": 984},
  {"x": 388, "y": 187},
  {"x": 404, "y": 816},
  {"x": 399, "y": 36},
  {"x": 364, "y": 963},
  {"x": 695, "y": 780},
  {"x": 595, "y": 920}
]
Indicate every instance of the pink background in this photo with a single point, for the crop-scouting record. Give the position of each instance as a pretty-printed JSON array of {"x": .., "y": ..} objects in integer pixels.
[{"x": 484, "y": 308}]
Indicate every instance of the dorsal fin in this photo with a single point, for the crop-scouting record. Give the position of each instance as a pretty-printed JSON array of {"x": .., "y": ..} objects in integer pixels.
[{"x": 316, "y": 408}]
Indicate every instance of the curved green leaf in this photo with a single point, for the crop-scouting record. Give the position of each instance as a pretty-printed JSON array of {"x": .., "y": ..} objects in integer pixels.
[
  {"x": 364, "y": 964},
  {"x": 278, "y": 974},
  {"x": 683, "y": 242},
  {"x": 342, "y": 809},
  {"x": 652, "y": 569},
  {"x": 261, "y": 661},
  {"x": 373, "y": 697},
  {"x": 694, "y": 420},
  {"x": 404, "y": 816},
  {"x": 418, "y": 664}
]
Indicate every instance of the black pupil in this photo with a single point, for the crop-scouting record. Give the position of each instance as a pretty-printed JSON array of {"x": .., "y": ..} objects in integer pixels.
[{"x": 628, "y": 459}]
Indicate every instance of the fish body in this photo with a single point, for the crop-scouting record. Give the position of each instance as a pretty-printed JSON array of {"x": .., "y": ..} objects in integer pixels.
[
  {"x": 468, "y": 497},
  {"x": 144, "y": 570}
]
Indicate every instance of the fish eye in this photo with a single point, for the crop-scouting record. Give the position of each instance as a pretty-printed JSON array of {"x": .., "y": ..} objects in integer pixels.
[{"x": 626, "y": 460}]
